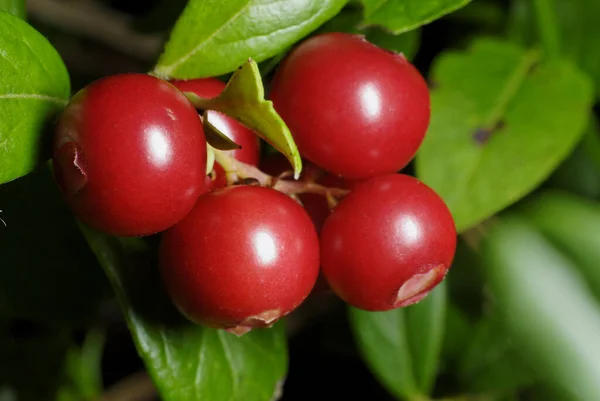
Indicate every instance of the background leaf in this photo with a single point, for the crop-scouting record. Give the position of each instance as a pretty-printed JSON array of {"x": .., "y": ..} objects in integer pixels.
[
  {"x": 213, "y": 37},
  {"x": 578, "y": 28},
  {"x": 502, "y": 121},
  {"x": 14, "y": 7},
  {"x": 399, "y": 16},
  {"x": 547, "y": 305},
  {"x": 186, "y": 361},
  {"x": 47, "y": 271},
  {"x": 402, "y": 346},
  {"x": 34, "y": 85}
]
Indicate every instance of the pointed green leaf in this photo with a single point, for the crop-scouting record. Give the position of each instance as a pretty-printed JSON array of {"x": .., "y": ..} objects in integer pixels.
[
  {"x": 14, "y": 7},
  {"x": 402, "y": 346},
  {"x": 187, "y": 361},
  {"x": 213, "y": 37},
  {"x": 502, "y": 120},
  {"x": 34, "y": 86},
  {"x": 244, "y": 100},
  {"x": 399, "y": 16},
  {"x": 547, "y": 305}
]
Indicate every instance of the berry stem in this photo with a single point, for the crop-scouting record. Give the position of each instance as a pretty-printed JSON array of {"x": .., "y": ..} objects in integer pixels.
[{"x": 238, "y": 171}]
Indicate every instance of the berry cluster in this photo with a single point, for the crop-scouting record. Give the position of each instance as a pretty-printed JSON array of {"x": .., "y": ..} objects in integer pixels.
[{"x": 130, "y": 156}]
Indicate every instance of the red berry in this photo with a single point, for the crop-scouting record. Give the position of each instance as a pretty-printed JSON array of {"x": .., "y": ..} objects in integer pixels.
[
  {"x": 130, "y": 155},
  {"x": 244, "y": 257},
  {"x": 388, "y": 243},
  {"x": 208, "y": 88},
  {"x": 353, "y": 108}
]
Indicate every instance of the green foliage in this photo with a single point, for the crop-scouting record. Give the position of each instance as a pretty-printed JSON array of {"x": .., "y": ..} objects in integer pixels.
[
  {"x": 14, "y": 7},
  {"x": 48, "y": 273},
  {"x": 402, "y": 346},
  {"x": 547, "y": 305},
  {"x": 37, "y": 89},
  {"x": 399, "y": 16},
  {"x": 186, "y": 361},
  {"x": 244, "y": 100},
  {"x": 503, "y": 118},
  {"x": 213, "y": 37}
]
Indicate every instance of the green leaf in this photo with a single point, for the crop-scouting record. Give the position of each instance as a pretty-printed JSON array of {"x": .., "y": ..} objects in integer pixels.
[
  {"x": 34, "y": 86},
  {"x": 349, "y": 20},
  {"x": 571, "y": 223},
  {"x": 502, "y": 120},
  {"x": 580, "y": 172},
  {"x": 14, "y": 7},
  {"x": 547, "y": 305},
  {"x": 577, "y": 22},
  {"x": 186, "y": 361},
  {"x": 84, "y": 366},
  {"x": 213, "y": 37},
  {"x": 490, "y": 362},
  {"x": 47, "y": 271},
  {"x": 399, "y": 16},
  {"x": 402, "y": 346},
  {"x": 244, "y": 100}
]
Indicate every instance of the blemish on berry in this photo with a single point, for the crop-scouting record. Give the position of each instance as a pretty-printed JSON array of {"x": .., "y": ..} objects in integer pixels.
[
  {"x": 418, "y": 286},
  {"x": 70, "y": 166}
]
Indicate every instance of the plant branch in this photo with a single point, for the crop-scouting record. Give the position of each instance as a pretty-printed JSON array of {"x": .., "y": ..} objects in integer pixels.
[
  {"x": 548, "y": 29},
  {"x": 92, "y": 20},
  {"x": 238, "y": 171}
]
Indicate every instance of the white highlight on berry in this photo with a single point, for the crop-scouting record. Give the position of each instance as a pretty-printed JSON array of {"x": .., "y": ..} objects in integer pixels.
[
  {"x": 265, "y": 247},
  {"x": 160, "y": 151},
  {"x": 370, "y": 100}
]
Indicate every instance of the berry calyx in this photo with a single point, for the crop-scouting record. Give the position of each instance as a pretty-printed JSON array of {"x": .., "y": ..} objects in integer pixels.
[
  {"x": 353, "y": 108},
  {"x": 244, "y": 257},
  {"x": 388, "y": 243}
]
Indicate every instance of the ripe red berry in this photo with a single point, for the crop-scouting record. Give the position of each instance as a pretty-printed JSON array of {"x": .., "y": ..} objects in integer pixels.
[
  {"x": 208, "y": 88},
  {"x": 353, "y": 108},
  {"x": 388, "y": 243},
  {"x": 130, "y": 155},
  {"x": 244, "y": 257}
]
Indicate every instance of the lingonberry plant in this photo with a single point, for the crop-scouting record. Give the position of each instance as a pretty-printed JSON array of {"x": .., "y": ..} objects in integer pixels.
[{"x": 264, "y": 192}]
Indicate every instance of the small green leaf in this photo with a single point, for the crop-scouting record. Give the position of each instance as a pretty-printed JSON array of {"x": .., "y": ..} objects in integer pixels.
[
  {"x": 213, "y": 37},
  {"x": 547, "y": 305},
  {"x": 502, "y": 120},
  {"x": 571, "y": 223},
  {"x": 84, "y": 365},
  {"x": 186, "y": 361},
  {"x": 400, "y": 16},
  {"x": 215, "y": 137},
  {"x": 14, "y": 7},
  {"x": 34, "y": 86},
  {"x": 402, "y": 346},
  {"x": 349, "y": 21},
  {"x": 47, "y": 271},
  {"x": 244, "y": 100}
]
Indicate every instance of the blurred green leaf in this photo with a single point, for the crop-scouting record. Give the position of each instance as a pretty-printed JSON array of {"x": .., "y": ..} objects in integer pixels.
[
  {"x": 399, "y": 16},
  {"x": 213, "y": 37},
  {"x": 349, "y": 21},
  {"x": 84, "y": 366},
  {"x": 186, "y": 361},
  {"x": 47, "y": 272},
  {"x": 490, "y": 362},
  {"x": 502, "y": 121},
  {"x": 546, "y": 305},
  {"x": 577, "y": 22},
  {"x": 244, "y": 100},
  {"x": 34, "y": 86},
  {"x": 402, "y": 346},
  {"x": 572, "y": 223},
  {"x": 456, "y": 332},
  {"x": 580, "y": 172},
  {"x": 14, "y": 7}
]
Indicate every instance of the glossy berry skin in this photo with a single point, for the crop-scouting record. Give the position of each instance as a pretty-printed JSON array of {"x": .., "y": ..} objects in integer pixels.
[
  {"x": 244, "y": 257},
  {"x": 208, "y": 88},
  {"x": 353, "y": 108},
  {"x": 130, "y": 155},
  {"x": 388, "y": 243}
]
